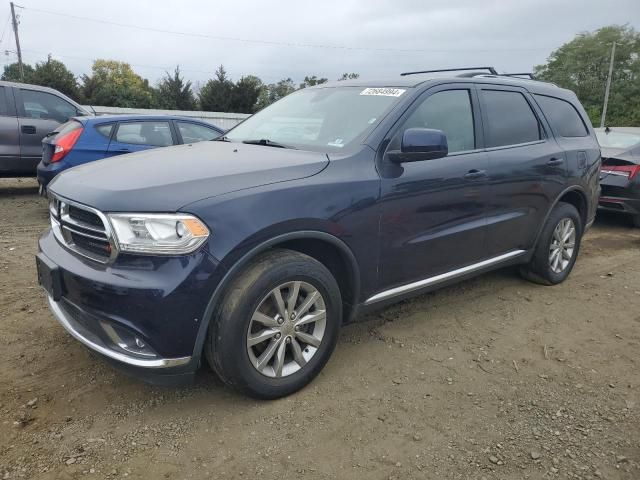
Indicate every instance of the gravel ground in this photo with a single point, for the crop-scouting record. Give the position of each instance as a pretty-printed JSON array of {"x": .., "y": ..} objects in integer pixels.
[{"x": 494, "y": 378}]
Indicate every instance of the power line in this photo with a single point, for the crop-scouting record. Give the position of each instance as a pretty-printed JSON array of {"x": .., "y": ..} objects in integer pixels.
[
  {"x": 138, "y": 65},
  {"x": 276, "y": 43},
  {"x": 4, "y": 30}
]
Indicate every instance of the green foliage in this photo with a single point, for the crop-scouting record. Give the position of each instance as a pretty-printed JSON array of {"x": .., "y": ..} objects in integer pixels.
[
  {"x": 173, "y": 93},
  {"x": 12, "y": 73},
  {"x": 311, "y": 81},
  {"x": 582, "y": 65},
  {"x": 54, "y": 74},
  {"x": 114, "y": 84},
  {"x": 50, "y": 73},
  {"x": 349, "y": 76},
  {"x": 244, "y": 95},
  {"x": 215, "y": 95},
  {"x": 274, "y": 92}
]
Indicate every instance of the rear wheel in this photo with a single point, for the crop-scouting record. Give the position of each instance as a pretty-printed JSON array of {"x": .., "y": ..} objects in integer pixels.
[
  {"x": 557, "y": 247},
  {"x": 277, "y": 326}
]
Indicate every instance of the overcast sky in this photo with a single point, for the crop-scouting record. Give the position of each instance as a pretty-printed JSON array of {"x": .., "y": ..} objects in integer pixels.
[{"x": 284, "y": 38}]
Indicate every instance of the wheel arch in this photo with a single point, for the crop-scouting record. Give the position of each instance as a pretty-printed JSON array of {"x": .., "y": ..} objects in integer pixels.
[
  {"x": 329, "y": 250},
  {"x": 573, "y": 195}
]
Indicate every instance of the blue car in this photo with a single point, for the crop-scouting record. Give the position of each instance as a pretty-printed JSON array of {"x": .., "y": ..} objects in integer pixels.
[{"x": 85, "y": 139}]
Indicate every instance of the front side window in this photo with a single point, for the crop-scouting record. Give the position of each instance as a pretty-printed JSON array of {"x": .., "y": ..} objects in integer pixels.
[
  {"x": 510, "y": 119},
  {"x": 46, "y": 106},
  {"x": 562, "y": 116},
  {"x": 193, "y": 132},
  {"x": 156, "y": 134},
  {"x": 320, "y": 119},
  {"x": 449, "y": 111}
]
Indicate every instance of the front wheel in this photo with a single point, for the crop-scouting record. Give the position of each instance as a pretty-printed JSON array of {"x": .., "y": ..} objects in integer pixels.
[
  {"x": 277, "y": 325},
  {"x": 557, "y": 247}
]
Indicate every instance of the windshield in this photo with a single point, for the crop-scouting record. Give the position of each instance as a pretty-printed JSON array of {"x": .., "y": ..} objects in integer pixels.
[
  {"x": 617, "y": 139},
  {"x": 324, "y": 119}
]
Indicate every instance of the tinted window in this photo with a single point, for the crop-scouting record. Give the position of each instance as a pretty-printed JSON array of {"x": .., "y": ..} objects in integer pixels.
[
  {"x": 451, "y": 112},
  {"x": 46, "y": 106},
  {"x": 105, "y": 129},
  {"x": 193, "y": 132},
  {"x": 510, "y": 119},
  {"x": 157, "y": 134},
  {"x": 563, "y": 117}
]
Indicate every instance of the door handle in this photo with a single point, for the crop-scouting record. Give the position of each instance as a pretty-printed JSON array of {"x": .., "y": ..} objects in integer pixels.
[
  {"x": 475, "y": 174},
  {"x": 28, "y": 129},
  {"x": 123, "y": 150},
  {"x": 555, "y": 162}
]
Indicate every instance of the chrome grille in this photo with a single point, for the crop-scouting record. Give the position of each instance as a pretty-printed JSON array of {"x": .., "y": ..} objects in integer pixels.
[{"x": 83, "y": 230}]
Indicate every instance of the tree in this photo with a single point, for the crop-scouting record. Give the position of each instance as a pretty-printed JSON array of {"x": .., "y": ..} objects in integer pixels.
[
  {"x": 215, "y": 95},
  {"x": 12, "y": 73},
  {"x": 115, "y": 84},
  {"x": 274, "y": 92},
  {"x": 311, "y": 81},
  {"x": 244, "y": 95},
  {"x": 349, "y": 76},
  {"x": 582, "y": 65},
  {"x": 174, "y": 94},
  {"x": 55, "y": 74}
]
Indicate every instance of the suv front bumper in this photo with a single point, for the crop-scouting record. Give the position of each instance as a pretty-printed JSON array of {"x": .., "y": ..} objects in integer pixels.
[{"x": 143, "y": 314}]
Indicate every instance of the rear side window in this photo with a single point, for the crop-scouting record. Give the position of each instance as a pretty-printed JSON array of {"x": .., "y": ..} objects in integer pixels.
[
  {"x": 510, "y": 119},
  {"x": 451, "y": 112},
  {"x": 105, "y": 129},
  {"x": 562, "y": 116},
  {"x": 193, "y": 132},
  {"x": 156, "y": 134}
]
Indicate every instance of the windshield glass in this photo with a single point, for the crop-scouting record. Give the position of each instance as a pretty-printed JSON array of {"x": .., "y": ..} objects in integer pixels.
[
  {"x": 324, "y": 119},
  {"x": 617, "y": 139}
]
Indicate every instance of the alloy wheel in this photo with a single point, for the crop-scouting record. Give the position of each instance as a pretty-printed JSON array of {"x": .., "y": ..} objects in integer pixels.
[
  {"x": 286, "y": 329},
  {"x": 563, "y": 244}
]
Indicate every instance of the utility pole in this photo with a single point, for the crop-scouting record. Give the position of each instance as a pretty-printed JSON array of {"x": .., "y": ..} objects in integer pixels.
[
  {"x": 606, "y": 91},
  {"x": 15, "y": 31}
]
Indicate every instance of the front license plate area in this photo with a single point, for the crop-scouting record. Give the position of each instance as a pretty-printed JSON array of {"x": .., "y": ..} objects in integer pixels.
[{"x": 49, "y": 277}]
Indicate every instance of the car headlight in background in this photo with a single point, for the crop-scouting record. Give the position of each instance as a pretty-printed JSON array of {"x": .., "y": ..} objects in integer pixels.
[{"x": 158, "y": 234}]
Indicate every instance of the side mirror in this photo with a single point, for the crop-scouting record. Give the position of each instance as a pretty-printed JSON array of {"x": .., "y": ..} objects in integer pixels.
[{"x": 420, "y": 144}]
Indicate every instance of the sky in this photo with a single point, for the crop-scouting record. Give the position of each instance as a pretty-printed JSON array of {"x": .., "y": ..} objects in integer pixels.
[{"x": 282, "y": 38}]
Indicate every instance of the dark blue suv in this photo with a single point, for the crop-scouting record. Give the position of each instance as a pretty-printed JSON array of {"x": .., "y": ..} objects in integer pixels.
[{"x": 251, "y": 251}]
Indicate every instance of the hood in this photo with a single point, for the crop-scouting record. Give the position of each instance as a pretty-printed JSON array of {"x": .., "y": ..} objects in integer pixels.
[
  {"x": 165, "y": 179},
  {"x": 631, "y": 155}
]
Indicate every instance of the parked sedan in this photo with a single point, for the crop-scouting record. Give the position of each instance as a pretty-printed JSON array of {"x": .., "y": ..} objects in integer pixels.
[
  {"x": 620, "y": 173},
  {"x": 85, "y": 139}
]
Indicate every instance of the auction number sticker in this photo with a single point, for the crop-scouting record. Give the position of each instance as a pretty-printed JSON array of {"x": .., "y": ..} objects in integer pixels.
[{"x": 383, "y": 92}]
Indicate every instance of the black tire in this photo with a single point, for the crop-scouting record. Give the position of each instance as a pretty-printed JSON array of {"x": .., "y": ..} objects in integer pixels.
[
  {"x": 539, "y": 269},
  {"x": 636, "y": 221},
  {"x": 226, "y": 346}
]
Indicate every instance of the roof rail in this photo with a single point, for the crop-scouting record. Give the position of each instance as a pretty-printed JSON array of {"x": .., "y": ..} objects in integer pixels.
[
  {"x": 491, "y": 70},
  {"x": 527, "y": 74}
]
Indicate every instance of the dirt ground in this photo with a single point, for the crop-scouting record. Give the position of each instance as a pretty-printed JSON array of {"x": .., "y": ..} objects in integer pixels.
[{"x": 494, "y": 378}]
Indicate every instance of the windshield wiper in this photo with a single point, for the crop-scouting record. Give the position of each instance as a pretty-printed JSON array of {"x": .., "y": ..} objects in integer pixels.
[
  {"x": 268, "y": 143},
  {"x": 223, "y": 138}
]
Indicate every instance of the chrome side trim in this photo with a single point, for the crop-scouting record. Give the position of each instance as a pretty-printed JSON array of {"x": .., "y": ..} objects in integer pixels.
[
  {"x": 410, "y": 287},
  {"x": 105, "y": 350}
]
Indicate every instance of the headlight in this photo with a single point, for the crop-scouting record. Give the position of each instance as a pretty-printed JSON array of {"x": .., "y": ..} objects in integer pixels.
[{"x": 158, "y": 234}]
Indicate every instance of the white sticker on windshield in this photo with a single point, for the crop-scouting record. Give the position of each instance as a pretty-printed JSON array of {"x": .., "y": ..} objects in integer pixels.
[{"x": 384, "y": 92}]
